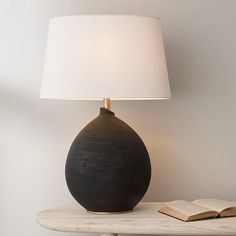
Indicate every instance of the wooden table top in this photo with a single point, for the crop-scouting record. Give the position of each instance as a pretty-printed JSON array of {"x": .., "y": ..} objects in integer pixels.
[{"x": 145, "y": 219}]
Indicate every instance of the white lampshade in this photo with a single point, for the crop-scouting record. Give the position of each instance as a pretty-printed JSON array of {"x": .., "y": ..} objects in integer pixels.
[{"x": 91, "y": 57}]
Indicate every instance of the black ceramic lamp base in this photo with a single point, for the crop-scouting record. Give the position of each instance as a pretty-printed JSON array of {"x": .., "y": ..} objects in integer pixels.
[{"x": 108, "y": 168}]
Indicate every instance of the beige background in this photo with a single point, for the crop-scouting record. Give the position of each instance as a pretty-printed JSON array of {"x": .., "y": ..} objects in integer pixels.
[{"x": 191, "y": 138}]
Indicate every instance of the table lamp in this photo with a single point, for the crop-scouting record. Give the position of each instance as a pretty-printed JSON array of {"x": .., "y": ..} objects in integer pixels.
[{"x": 106, "y": 57}]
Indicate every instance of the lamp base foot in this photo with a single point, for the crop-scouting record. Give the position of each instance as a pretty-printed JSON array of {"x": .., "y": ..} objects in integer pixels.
[{"x": 109, "y": 212}]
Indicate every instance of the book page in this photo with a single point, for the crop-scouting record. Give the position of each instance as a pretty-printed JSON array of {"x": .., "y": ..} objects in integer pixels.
[
  {"x": 215, "y": 204},
  {"x": 173, "y": 213},
  {"x": 187, "y": 208}
]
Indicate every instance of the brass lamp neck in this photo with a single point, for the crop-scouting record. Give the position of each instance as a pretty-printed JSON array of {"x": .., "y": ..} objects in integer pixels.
[{"x": 107, "y": 103}]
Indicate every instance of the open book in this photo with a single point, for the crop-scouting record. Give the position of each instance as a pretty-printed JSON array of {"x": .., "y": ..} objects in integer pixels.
[{"x": 199, "y": 209}]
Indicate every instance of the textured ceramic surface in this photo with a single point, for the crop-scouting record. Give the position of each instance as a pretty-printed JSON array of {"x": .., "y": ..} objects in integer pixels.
[{"x": 108, "y": 167}]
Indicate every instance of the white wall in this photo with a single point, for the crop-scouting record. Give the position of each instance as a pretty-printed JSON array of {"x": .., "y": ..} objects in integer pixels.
[{"x": 191, "y": 138}]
